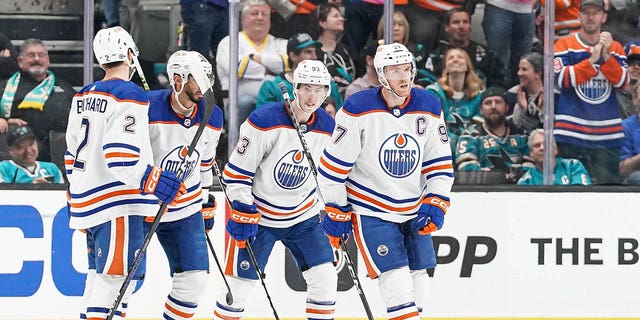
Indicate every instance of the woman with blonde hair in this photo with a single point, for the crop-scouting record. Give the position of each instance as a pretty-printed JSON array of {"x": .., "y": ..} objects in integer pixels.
[
  {"x": 401, "y": 35},
  {"x": 459, "y": 90}
]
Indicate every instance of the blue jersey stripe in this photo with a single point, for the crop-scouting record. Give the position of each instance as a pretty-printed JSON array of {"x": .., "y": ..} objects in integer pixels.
[
  {"x": 122, "y": 164},
  {"x": 426, "y": 163},
  {"x": 285, "y": 208},
  {"x": 120, "y": 145},
  {"x": 113, "y": 204},
  {"x": 330, "y": 177},
  {"x": 336, "y": 160},
  {"x": 96, "y": 189},
  {"x": 382, "y": 196},
  {"x": 238, "y": 169}
]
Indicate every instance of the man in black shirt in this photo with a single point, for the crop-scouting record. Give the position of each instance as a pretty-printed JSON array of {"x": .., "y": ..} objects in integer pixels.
[{"x": 33, "y": 96}]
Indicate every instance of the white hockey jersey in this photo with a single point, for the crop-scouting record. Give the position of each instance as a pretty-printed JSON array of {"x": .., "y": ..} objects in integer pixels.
[
  {"x": 107, "y": 153},
  {"x": 171, "y": 135},
  {"x": 386, "y": 161},
  {"x": 269, "y": 168}
]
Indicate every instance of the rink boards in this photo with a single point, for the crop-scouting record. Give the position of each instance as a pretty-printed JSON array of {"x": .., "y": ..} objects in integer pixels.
[{"x": 501, "y": 255}]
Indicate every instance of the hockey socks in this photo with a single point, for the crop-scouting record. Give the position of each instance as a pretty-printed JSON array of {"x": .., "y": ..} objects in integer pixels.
[{"x": 175, "y": 309}]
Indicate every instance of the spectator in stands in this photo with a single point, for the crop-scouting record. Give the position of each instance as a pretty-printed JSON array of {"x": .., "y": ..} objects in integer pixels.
[
  {"x": 260, "y": 56},
  {"x": 8, "y": 58},
  {"x": 508, "y": 27},
  {"x": 426, "y": 18},
  {"x": 527, "y": 97},
  {"x": 566, "y": 17},
  {"x": 630, "y": 150},
  {"x": 330, "y": 106},
  {"x": 363, "y": 17},
  {"x": 23, "y": 167},
  {"x": 590, "y": 67},
  {"x": 35, "y": 96},
  {"x": 495, "y": 144},
  {"x": 207, "y": 22},
  {"x": 337, "y": 56},
  {"x": 370, "y": 78},
  {"x": 401, "y": 31},
  {"x": 457, "y": 28},
  {"x": 625, "y": 95},
  {"x": 565, "y": 171},
  {"x": 111, "y": 12},
  {"x": 301, "y": 20},
  {"x": 459, "y": 90},
  {"x": 300, "y": 47}
]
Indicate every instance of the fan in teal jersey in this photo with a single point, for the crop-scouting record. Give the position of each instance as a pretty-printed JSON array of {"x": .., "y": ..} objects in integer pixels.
[
  {"x": 23, "y": 167},
  {"x": 495, "y": 144},
  {"x": 565, "y": 171}
]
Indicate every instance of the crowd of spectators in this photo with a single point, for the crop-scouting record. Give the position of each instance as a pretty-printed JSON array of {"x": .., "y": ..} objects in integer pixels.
[{"x": 492, "y": 95}]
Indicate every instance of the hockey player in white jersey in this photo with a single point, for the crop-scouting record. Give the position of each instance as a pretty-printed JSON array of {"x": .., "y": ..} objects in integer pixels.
[
  {"x": 388, "y": 175},
  {"x": 112, "y": 182},
  {"x": 274, "y": 196},
  {"x": 174, "y": 116}
]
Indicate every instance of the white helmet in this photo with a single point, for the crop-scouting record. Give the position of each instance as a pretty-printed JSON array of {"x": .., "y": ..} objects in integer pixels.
[
  {"x": 311, "y": 72},
  {"x": 112, "y": 45},
  {"x": 185, "y": 63},
  {"x": 391, "y": 55}
]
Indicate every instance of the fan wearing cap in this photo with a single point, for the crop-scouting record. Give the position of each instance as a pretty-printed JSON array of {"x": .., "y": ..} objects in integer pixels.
[
  {"x": 590, "y": 67},
  {"x": 387, "y": 176},
  {"x": 274, "y": 196},
  {"x": 300, "y": 47},
  {"x": 113, "y": 183},
  {"x": 174, "y": 117},
  {"x": 23, "y": 167},
  {"x": 495, "y": 144},
  {"x": 625, "y": 96}
]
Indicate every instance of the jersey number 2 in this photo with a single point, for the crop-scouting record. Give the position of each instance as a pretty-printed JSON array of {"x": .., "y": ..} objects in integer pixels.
[{"x": 79, "y": 164}]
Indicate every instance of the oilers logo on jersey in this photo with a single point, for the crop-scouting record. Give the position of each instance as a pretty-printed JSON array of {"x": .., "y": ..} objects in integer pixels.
[
  {"x": 174, "y": 158},
  {"x": 595, "y": 90},
  {"x": 291, "y": 171},
  {"x": 399, "y": 155}
]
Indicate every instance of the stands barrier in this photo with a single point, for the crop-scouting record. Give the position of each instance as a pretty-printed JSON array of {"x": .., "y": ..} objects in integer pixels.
[{"x": 501, "y": 254}]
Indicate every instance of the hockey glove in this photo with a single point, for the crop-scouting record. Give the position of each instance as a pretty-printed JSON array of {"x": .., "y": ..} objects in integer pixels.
[
  {"x": 208, "y": 212},
  {"x": 430, "y": 216},
  {"x": 336, "y": 223},
  {"x": 165, "y": 185},
  {"x": 243, "y": 223}
]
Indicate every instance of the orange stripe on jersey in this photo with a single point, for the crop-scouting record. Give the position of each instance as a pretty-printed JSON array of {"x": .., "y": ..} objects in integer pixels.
[
  {"x": 178, "y": 312},
  {"x": 305, "y": 207},
  {"x": 189, "y": 198},
  {"x": 104, "y": 196},
  {"x": 425, "y": 113},
  {"x": 225, "y": 317},
  {"x": 213, "y": 128},
  {"x": 231, "y": 254},
  {"x": 235, "y": 176},
  {"x": 441, "y": 167},
  {"x": 111, "y": 96},
  {"x": 68, "y": 162},
  {"x": 579, "y": 128},
  {"x": 332, "y": 168},
  {"x": 121, "y": 155},
  {"x": 361, "y": 247},
  {"x": 318, "y": 311},
  {"x": 380, "y": 204},
  {"x": 117, "y": 264},
  {"x": 406, "y": 316}
]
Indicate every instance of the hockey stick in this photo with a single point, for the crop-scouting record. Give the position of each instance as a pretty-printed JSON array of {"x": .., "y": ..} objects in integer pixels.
[
  {"x": 228, "y": 297},
  {"x": 314, "y": 170},
  {"x": 208, "y": 109},
  {"x": 248, "y": 244}
]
